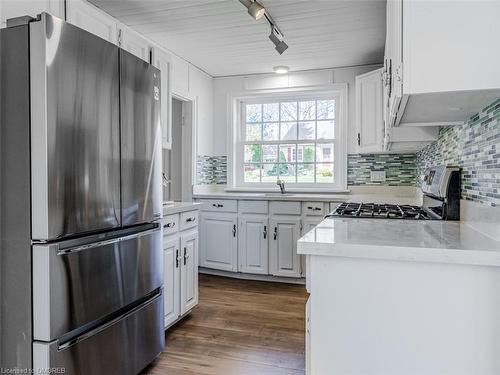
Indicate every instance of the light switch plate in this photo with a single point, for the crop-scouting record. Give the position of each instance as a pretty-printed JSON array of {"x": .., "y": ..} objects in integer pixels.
[{"x": 377, "y": 176}]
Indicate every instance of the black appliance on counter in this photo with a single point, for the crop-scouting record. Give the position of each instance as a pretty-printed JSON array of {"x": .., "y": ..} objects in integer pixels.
[{"x": 441, "y": 200}]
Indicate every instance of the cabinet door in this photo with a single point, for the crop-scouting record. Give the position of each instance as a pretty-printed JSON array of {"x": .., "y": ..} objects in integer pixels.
[
  {"x": 189, "y": 271},
  {"x": 18, "y": 8},
  {"x": 134, "y": 43},
  {"x": 218, "y": 244},
  {"x": 369, "y": 112},
  {"x": 394, "y": 53},
  {"x": 180, "y": 76},
  {"x": 283, "y": 257},
  {"x": 171, "y": 283},
  {"x": 161, "y": 60},
  {"x": 86, "y": 16},
  {"x": 253, "y": 244}
]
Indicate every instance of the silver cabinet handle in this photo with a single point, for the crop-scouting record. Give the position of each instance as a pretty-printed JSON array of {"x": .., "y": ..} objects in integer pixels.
[
  {"x": 169, "y": 225},
  {"x": 190, "y": 219},
  {"x": 177, "y": 258},
  {"x": 234, "y": 230},
  {"x": 218, "y": 205},
  {"x": 265, "y": 232},
  {"x": 313, "y": 208},
  {"x": 186, "y": 256},
  {"x": 275, "y": 233}
]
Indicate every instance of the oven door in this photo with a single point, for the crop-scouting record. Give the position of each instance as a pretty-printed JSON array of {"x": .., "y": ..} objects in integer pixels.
[{"x": 78, "y": 283}]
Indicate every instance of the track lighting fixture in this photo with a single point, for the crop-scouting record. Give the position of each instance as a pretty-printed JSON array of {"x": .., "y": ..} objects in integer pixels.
[
  {"x": 277, "y": 38},
  {"x": 257, "y": 11}
]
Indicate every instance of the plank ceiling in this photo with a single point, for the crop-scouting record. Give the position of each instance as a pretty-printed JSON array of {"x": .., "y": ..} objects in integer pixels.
[{"x": 221, "y": 38}]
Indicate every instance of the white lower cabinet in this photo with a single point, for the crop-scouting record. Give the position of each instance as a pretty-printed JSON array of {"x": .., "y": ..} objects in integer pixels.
[
  {"x": 189, "y": 271},
  {"x": 180, "y": 257},
  {"x": 253, "y": 245},
  {"x": 171, "y": 259},
  {"x": 283, "y": 257},
  {"x": 218, "y": 245}
]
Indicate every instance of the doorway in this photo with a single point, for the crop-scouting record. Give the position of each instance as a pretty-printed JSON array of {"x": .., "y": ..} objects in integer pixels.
[{"x": 178, "y": 161}]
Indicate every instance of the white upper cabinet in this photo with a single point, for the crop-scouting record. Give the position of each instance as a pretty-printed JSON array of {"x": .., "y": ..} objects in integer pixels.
[
  {"x": 162, "y": 60},
  {"x": 17, "y": 8},
  {"x": 180, "y": 76},
  {"x": 442, "y": 60},
  {"x": 133, "y": 42},
  {"x": 88, "y": 17},
  {"x": 369, "y": 112}
]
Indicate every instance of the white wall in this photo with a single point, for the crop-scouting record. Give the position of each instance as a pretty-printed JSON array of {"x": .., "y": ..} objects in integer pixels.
[{"x": 227, "y": 85}]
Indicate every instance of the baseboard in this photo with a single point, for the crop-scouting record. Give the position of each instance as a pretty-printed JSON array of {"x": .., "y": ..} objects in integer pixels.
[{"x": 251, "y": 276}]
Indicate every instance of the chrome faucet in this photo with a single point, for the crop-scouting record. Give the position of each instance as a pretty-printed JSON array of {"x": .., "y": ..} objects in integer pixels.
[{"x": 281, "y": 184}]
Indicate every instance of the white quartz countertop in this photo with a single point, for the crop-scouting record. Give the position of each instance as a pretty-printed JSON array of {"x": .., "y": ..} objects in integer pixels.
[
  {"x": 176, "y": 207},
  {"x": 409, "y": 240}
]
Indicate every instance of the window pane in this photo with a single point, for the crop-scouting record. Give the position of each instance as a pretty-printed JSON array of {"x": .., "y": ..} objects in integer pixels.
[
  {"x": 252, "y": 172},
  {"x": 269, "y": 153},
  {"x": 326, "y": 129},
  {"x": 288, "y": 153},
  {"x": 270, "y": 132},
  {"x": 253, "y": 132},
  {"x": 287, "y": 172},
  {"x": 307, "y": 130},
  {"x": 271, "y": 111},
  {"x": 307, "y": 110},
  {"x": 324, "y": 173},
  {"x": 305, "y": 153},
  {"x": 288, "y": 131},
  {"x": 326, "y": 109},
  {"x": 324, "y": 153},
  {"x": 270, "y": 173},
  {"x": 254, "y": 113},
  {"x": 288, "y": 111},
  {"x": 305, "y": 173},
  {"x": 252, "y": 153}
]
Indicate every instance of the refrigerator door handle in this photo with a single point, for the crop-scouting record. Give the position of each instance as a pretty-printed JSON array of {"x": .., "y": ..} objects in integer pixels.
[{"x": 74, "y": 249}]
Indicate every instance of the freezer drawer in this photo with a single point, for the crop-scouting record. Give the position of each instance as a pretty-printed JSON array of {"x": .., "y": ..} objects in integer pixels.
[
  {"x": 140, "y": 140},
  {"x": 122, "y": 346},
  {"x": 75, "y": 134},
  {"x": 74, "y": 285}
]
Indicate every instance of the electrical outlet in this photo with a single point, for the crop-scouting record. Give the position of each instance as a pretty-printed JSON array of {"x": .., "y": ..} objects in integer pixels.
[{"x": 377, "y": 176}]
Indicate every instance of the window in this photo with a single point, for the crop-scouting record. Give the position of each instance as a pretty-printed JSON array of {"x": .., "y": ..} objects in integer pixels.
[{"x": 297, "y": 138}]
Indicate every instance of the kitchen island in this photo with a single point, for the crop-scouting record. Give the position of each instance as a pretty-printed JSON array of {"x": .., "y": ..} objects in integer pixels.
[{"x": 401, "y": 297}]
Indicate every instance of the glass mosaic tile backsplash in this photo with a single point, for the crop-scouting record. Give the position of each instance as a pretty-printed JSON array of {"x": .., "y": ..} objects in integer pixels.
[{"x": 475, "y": 147}]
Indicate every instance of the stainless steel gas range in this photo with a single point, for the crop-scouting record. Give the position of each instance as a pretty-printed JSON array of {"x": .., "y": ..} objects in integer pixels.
[{"x": 441, "y": 200}]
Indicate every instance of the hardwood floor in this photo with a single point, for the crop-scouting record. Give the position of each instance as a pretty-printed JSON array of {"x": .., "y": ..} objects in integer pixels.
[{"x": 240, "y": 327}]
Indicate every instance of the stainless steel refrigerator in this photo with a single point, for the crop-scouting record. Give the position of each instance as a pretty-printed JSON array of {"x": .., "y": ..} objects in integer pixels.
[{"x": 80, "y": 202}]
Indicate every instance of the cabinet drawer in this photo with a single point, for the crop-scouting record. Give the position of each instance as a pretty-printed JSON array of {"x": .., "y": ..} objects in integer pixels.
[
  {"x": 220, "y": 205},
  {"x": 285, "y": 208},
  {"x": 313, "y": 208},
  {"x": 189, "y": 219},
  {"x": 170, "y": 224},
  {"x": 252, "y": 207}
]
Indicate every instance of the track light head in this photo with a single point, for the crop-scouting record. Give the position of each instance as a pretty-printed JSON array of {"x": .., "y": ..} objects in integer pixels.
[
  {"x": 256, "y": 10},
  {"x": 277, "y": 38}
]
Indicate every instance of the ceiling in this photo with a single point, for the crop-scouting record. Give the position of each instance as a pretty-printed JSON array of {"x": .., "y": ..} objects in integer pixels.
[{"x": 220, "y": 37}]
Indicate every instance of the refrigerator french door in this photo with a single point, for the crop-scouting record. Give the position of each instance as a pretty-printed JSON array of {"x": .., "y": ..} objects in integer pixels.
[{"x": 80, "y": 255}]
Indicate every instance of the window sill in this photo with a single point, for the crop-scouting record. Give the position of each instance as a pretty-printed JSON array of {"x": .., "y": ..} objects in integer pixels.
[{"x": 288, "y": 190}]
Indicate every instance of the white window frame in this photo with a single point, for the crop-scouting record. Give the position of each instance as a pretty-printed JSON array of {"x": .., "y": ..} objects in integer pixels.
[{"x": 236, "y": 137}]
